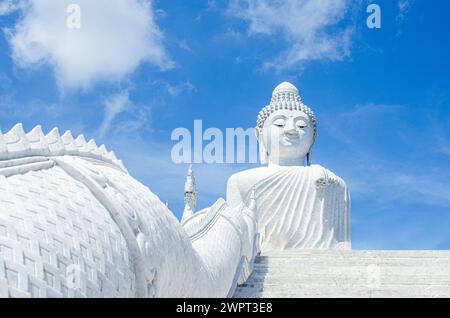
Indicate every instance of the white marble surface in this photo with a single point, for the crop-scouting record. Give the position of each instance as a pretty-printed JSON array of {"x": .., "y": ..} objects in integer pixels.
[
  {"x": 66, "y": 203},
  {"x": 298, "y": 205},
  {"x": 355, "y": 273}
]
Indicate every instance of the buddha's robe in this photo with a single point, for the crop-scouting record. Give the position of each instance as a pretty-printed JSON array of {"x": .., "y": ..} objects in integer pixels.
[{"x": 302, "y": 207}]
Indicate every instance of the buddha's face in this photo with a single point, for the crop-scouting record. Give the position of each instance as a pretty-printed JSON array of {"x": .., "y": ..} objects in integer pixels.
[{"x": 287, "y": 136}]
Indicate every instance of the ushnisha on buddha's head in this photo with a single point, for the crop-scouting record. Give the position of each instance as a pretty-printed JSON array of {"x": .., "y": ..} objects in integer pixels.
[{"x": 286, "y": 129}]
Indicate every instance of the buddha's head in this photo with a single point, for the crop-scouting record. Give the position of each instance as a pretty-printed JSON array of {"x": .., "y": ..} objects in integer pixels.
[{"x": 286, "y": 128}]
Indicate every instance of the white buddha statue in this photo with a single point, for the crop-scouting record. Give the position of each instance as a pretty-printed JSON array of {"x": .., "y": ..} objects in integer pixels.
[
  {"x": 75, "y": 223},
  {"x": 298, "y": 205}
]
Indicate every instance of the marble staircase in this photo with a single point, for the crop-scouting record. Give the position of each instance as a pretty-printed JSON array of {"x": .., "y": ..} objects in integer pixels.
[{"x": 351, "y": 273}]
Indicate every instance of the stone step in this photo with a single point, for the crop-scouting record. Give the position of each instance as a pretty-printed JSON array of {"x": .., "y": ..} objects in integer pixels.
[
  {"x": 343, "y": 268},
  {"x": 332, "y": 253},
  {"x": 357, "y": 253},
  {"x": 350, "y": 293},
  {"x": 397, "y": 262},
  {"x": 303, "y": 273},
  {"x": 325, "y": 290},
  {"x": 338, "y": 278}
]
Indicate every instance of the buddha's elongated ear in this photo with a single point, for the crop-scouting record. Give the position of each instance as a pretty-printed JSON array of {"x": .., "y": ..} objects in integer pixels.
[
  {"x": 309, "y": 154},
  {"x": 263, "y": 156}
]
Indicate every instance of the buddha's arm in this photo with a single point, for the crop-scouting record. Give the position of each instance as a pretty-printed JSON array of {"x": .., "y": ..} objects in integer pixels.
[{"x": 234, "y": 196}]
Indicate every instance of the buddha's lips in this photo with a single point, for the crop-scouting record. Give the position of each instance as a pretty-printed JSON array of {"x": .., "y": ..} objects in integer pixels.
[{"x": 291, "y": 139}]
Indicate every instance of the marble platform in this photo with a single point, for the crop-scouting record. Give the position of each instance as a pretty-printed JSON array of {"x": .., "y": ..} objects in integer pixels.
[{"x": 352, "y": 273}]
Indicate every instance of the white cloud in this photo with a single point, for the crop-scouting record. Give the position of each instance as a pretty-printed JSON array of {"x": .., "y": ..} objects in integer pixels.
[
  {"x": 310, "y": 27},
  {"x": 115, "y": 37},
  {"x": 114, "y": 105},
  {"x": 185, "y": 46},
  {"x": 429, "y": 186},
  {"x": 5, "y": 81},
  {"x": 9, "y": 6},
  {"x": 403, "y": 8},
  {"x": 28, "y": 110},
  {"x": 212, "y": 5},
  {"x": 365, "y": 136},
  {"x": 176, "y": 89},
  {"x": 123, "y": 118}
]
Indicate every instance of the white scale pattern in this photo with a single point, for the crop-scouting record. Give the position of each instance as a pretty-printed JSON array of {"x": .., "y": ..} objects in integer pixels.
[
  {"x": 49, "y": 221},
  {"x": 70, "y": 214}
]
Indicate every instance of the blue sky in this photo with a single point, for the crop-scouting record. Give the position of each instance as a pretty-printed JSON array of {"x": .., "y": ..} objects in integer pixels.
[{"x": 135, "y": 72}]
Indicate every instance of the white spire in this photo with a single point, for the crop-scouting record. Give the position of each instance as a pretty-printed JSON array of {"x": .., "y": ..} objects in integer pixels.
[
  {"x": 190, "y": 194},
  {"x": 189, "y": 184}
]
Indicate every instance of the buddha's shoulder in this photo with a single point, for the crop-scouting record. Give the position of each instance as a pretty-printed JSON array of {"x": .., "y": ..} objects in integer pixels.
[
  {"x": 245, "y": 176},
  {"x": 315, "y": 169},
  {"x": 256, "y": 174},
  {"x": 241, "y": 182},
  {"x": 321, "y": 172},
  {"x": 249, "y": 172}
]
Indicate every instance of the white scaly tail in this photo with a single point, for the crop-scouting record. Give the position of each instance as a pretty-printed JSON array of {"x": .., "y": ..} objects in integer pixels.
[
  {"x": 17, "y": 144},
  {"x": 74, "y": 223}
]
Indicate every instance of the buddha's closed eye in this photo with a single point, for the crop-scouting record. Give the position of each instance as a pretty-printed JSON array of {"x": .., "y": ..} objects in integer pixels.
[
  {"x": 280, "y": 122},
  {"x": 301, "y": 124}
]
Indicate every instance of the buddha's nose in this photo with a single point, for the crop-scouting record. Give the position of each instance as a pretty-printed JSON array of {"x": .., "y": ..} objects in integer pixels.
[{"x": 289, "y": 129}]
